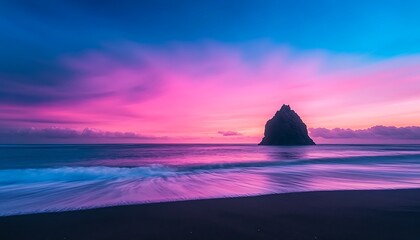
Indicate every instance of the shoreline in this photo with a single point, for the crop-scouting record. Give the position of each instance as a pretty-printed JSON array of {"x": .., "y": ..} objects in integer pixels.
[
  {"x": 347, "y": 214},
  {"x": 133, "y": 204}
]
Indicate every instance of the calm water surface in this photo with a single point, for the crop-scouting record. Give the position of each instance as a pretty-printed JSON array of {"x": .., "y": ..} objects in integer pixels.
[{"x": 43, "y": 178}]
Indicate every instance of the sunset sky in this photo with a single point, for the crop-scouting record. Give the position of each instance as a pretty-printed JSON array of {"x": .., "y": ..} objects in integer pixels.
[{"x": 208, "y": 71}]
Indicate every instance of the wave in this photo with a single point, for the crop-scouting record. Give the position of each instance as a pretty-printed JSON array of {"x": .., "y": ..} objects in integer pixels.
[
  {"x": 11, "y": 176},
  {"x": 100, "y": 173},
  {"x": 406, "y": 158}
]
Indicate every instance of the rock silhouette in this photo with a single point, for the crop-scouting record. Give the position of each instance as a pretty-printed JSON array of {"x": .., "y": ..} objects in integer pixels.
[{"x": 286, "y": 128}]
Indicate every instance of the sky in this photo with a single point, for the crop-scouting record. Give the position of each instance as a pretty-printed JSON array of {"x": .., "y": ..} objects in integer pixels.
[{"x": 208, "y": 71}]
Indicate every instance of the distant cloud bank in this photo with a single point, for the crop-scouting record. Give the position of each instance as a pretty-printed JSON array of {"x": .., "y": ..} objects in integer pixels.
[
  {"x": 65, "y": 135},
  {"x": 229, "y": 133},
  {"x": 376, "y": 132}
]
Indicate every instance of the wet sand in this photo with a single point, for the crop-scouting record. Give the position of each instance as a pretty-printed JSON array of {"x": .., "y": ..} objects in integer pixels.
[{"x": 376, "y": 214}]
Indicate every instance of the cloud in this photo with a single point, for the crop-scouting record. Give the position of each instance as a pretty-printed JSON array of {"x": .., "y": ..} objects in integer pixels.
[
  {"x": 68, "y": 135},
  {"x": 376, "y": 132},
  {"x": 229, "y": 133},
  {"x": 196, "y": 89}
]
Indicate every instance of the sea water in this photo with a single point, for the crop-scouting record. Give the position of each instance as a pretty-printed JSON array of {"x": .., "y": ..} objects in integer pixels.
[{"x": 45, "y": 178}]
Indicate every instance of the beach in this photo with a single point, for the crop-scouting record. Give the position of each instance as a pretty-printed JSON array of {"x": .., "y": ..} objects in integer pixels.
[{"x": 359, "y": 214}]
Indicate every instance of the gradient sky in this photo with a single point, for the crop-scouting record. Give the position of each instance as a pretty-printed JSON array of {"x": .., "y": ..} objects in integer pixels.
[{"x": 208, "y": 71}]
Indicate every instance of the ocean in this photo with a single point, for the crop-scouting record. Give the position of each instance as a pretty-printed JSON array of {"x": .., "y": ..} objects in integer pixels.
[{"x": 50, "y": 178}]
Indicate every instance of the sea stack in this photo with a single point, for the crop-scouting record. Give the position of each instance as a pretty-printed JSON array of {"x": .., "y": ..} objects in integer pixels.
[{"x": 286, "y": 128}]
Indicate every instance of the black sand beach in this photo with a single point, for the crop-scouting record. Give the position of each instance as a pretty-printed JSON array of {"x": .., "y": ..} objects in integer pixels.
[{"x": 379, "y": 214}]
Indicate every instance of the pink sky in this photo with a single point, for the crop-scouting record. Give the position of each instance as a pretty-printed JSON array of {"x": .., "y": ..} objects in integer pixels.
[{"x": 220, "y": 93}]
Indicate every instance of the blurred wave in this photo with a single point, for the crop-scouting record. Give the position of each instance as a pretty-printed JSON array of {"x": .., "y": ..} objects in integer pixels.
[{"x": 42, "y": 178}]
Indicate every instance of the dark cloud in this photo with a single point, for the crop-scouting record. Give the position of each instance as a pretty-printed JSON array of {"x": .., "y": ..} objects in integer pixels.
[
  {"x": 229, "y": 133},
  {"x": 73, "y": 84},
  {"x": 69, "y": 135},
  {"x": 376, "y": 132}
]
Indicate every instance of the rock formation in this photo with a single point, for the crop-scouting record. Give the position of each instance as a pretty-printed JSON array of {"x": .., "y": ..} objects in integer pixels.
[{"x": 286, "y": 128}]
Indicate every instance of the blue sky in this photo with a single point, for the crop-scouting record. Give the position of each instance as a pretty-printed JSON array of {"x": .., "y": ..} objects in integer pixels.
[
  {"x": 382, "y": 28},
  {"x": 34, "y": 33}
]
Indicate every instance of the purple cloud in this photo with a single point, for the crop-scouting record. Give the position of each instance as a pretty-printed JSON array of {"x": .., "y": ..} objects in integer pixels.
[
  {"x": 69, "y": 135},
  {"x": 229, "y": 133},
  {"x": 376, "y": 132}
]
